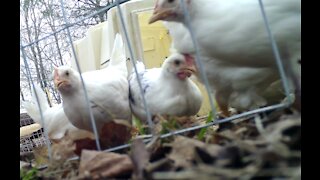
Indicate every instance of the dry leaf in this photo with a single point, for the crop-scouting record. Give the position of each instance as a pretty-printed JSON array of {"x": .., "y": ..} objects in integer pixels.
[
  {"x": 140, "y": 158},
  {"x": 115, "y": 133},
  {"x": 184, "y": 150},
  {"x": 278, "y": 131},
  {"x": 86, "y": 143},
  {"x": 71, "y": 144},
  {"x": 41, "y": 155},
  {"x": 63, "y": 170},
  {"x": 63, "y": 150},
  {"x": 97, "y": 165}
]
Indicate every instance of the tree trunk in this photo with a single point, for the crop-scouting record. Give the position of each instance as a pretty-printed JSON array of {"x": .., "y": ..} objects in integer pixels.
[
  {"x": 22, "y": 96},
  {"x": 55, "y": 95},
  {"x": 58, "y": 47},
  {"x": 34, "y": 55}
]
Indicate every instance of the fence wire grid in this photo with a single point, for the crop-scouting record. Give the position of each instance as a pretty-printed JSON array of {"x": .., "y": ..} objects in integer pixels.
[{"x": 117, "y": 4}]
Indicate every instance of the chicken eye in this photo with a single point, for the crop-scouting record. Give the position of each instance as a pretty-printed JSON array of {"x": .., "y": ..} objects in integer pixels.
[
  {"x": 177, "y": 62},
  {"x": 170, "y": 1},
  {"x": 67, "y": 73}
]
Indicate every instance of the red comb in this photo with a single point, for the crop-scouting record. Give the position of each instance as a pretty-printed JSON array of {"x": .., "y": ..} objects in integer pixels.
[
  {"x": 56, "y": 75},
  {"x": 189, "y": 59}
]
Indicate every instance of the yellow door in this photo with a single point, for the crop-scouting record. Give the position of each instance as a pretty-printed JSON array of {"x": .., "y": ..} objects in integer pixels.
[{"x": 156, "y": 43}]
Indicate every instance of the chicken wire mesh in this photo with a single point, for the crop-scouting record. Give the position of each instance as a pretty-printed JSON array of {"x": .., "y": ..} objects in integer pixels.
[
  {"x": 25, "y": 119},
  {"x": 25, "y": 143},
  {"x": 31, "y": 140}
]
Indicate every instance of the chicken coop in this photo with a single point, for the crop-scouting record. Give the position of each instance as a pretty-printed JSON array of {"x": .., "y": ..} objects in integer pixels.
[
  {"x": 92, "y": 50},
  {"x": 31, "y": 134}
]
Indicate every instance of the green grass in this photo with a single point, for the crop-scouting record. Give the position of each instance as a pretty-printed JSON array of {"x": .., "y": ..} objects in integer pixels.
[
  {"x": 28, "y": 174},
  {"x": 170, "y": 125},
  {"x": 203, "y": 131},
  {"x": 137, "y": 123}
]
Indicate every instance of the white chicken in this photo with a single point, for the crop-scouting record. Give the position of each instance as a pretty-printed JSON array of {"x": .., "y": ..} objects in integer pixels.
[
  {"x": 107, "y": 89},
  {"x": 234, "y": 46},
  {"x": 55, "y": 120},
  {"x": 234, "y": 31},
  {"x": 242, "y": 88},
  {"x": 168, "y": 90}
]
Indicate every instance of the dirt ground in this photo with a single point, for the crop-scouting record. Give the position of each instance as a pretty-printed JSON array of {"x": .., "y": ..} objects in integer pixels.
[{"x": 264, "y": 146}]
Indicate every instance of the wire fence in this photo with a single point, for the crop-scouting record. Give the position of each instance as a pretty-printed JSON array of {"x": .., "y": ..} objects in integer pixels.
[{"x": 117, "y": 4}]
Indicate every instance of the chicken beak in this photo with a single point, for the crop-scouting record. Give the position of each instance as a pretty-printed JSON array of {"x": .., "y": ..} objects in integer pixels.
[
  {"x": 189, "y": 70},
  {"x": 159, "y": 14},
  {"x": 56, "y": 79},
  {"x": 58, "y": 83}
]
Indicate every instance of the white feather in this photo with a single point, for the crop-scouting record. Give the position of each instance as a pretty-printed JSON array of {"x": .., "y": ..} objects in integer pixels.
[
  {"x": 55, "y": 120},
  {"x": 164, "y": 92},
  {"x": 107, "y": 90},
  {"x": 234, "y": 45}
]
